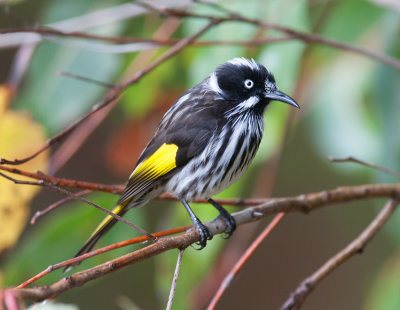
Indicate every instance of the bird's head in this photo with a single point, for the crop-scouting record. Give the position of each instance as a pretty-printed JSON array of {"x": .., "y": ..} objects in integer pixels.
[{"x": 247, "y": 85}]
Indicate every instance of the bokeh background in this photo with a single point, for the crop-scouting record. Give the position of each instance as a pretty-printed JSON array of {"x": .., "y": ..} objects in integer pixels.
[{"x": 349, "y": 106}]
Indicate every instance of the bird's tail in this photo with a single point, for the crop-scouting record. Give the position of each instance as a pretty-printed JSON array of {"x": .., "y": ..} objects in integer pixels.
[{"x": 99, "y": 232}]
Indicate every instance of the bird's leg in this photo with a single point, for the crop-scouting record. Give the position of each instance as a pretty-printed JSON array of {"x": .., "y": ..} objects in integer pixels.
[
  {"x": 205, "y": 234},
  {"x": 229, "y": 220}
]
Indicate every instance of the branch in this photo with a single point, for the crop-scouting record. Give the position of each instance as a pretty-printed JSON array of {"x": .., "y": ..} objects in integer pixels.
[
  {"x": 305, "y": 37},
  {"x": 56, "y": 205},
  {"x": 355, "y": 247},
  {"x": 309, "y": 38},
  {"x": 361, "y": 162},
  {"x": 61, "y": 182},
  {"x": 81, "y": 258},
  {"x": 302, "y": 203},
  {"x": 154, "y": 42},
  {"x": 115, "y": 93},
  {"x": 174, "y": 280},
  {"x": 85, "y": 79},
  {"x": 78, "y": 197},
  {"x": 115, "y": 189},
  {"x": 242, "y": 260}
]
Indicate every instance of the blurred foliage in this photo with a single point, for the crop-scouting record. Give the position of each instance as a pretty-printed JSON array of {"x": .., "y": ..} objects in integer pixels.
[
  {"x": 384, "y": 293},
  {"x": 20, "y": 136},
  {"x": 51, "y": 305},
  {"x": 58, "y": 95},
  {"x": 349, "y": 107}
]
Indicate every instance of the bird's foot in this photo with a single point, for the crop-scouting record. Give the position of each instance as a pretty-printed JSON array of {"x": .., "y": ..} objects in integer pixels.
[
  {"x": 229, "y": 222},
  {"x": 225, "y": 215},
  {"x": 205, "y": 234}
]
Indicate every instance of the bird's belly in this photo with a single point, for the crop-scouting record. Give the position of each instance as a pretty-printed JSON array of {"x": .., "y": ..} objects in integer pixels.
[{"x": 204, "y": 178}]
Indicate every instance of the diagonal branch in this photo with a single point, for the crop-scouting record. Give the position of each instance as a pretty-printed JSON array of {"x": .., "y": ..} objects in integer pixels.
[
  {"x": 302, "y": 203},
  {"x": 115, "y": 189},
  {"x": 362, "y": 162},
  {"x": 174, "y": 280},
  {"x": 242, "y": 260},
  {"x": 115, "y": 92},
  {"x": 357, "y": 246},
  {"x": 78, "y": 197},
  {"x": 295, "y": 34}
]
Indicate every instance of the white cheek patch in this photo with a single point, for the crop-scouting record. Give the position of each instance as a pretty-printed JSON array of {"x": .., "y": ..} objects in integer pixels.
[
  {"x": 249, "y": 103},
  {"x": 213, "y": 83},
  {"x": 243, "y": 106}
]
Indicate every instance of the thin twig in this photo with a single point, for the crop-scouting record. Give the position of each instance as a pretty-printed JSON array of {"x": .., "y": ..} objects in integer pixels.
[
  {"x": 85, "y": 79},
  {"x": 116, "y": 92},
  {"x": 65, "y": 182},
  {"x": 117, "y": 189},
  {"x": 74, "y": 141},
  {"x": 243, "y": 259},
  {"x": 355, "y": 247},
  {"x": 302, "y": 203},
  {"x": 77, "y": 197},
  {"x": 362, "y": 162},
  {"x": 155, "y": 42},
  {"x": 216, "y": 6},
  {"x": 56, "y": 205},
  {"x": 305, "y": 37},
  {"x": 309, "y": 38},
  {"x": 108, "y": 212},
  {"x": 174, "y": 280},
  {"x": 121, "y": 244}
]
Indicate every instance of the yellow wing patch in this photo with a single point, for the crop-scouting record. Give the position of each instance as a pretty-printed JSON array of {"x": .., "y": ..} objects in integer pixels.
[{"x": 161, "y": 162}]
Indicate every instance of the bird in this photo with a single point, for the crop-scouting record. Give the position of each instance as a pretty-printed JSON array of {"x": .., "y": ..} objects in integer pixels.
[{"x": 203, "y": 144}]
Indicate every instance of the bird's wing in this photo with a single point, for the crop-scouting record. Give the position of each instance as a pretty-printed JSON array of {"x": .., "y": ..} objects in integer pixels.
[
  {"x": 150, "y": 170},
  {"x": 170, "y": 149}
]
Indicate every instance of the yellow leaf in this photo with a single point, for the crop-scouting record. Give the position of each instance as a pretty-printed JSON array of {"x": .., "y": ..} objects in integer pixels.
[
  {"x": 20, "y": 136},
  {"x": 5, "y": 96}
]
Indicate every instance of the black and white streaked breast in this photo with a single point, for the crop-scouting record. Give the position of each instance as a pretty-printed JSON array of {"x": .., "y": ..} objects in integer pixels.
[{"x": 222, "y": 162}]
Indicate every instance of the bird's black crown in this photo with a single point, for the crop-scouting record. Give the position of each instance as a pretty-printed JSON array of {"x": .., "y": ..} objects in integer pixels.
[{"x": 241, "y": 78}]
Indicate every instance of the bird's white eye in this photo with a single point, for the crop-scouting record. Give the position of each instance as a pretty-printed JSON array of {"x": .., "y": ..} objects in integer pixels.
[{"x": 248, "y": 84}]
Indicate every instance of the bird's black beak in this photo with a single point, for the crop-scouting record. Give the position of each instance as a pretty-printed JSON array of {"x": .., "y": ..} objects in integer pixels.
[{"x": 280, "y": 96}]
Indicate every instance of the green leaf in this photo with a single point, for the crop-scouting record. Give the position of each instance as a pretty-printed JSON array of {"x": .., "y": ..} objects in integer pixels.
[
  {"x": 57, "y": 101},
  {"x": 384, "y": 292}
]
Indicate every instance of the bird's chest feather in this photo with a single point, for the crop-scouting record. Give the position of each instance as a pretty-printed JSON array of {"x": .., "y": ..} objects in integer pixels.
[{"x": 223, "y": 161}]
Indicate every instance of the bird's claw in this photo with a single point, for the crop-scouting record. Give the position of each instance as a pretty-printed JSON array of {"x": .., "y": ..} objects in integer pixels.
[
  {"x": 229, "y": 222},
  {"x": 205, "y": 235}
]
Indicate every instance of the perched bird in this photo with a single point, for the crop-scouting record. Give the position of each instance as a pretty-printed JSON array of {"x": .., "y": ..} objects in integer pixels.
[{"x": 203, "y": 144}]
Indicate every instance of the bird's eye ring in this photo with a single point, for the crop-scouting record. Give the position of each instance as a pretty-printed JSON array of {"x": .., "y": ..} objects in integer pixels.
[{"x": 248, "y": 84}]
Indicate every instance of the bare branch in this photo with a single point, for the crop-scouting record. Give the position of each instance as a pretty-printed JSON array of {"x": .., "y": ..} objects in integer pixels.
[
  {"x": 174, "y": 280},
  {"x": 355, "y": 247},
  {"x": 305, "y": 37},
  {"x": 361, "y": 162},
  {"x": 154, "y": 42},
  {"x": 81, "y": 258},
  {"x": 115, "y": 189},
  {"x": 115, "y": 93},
  {"x": 85, "y": 79},
  {"x": 56, "y": 205},
  {"x": 108, "y": 212},
  {"x": 61, "y": 182},
  {"x": 243, "y": 259},
  {"x": 78, "y": 197},
  {"x": 309, "y": 38},
  {"x": 302, "y": 203}
]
